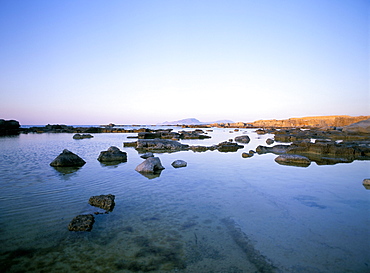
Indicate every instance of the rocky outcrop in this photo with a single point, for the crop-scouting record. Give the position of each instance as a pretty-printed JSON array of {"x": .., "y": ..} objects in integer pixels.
[
  {"x": 157, "y": 145},
  {"x": 9, "y": 127},
  {"x": 361, "y": 127},
  {"x": 296, "y": 160},
  {"x": 323, "y": 152},
  {"x": 310, "y": 122},
  {"x": 179, "y": 164},
  {"x": 105, "y": 202},
  {"x": 150, "y": 165},
  {"x": 82, "y": 136},
  {"x": 82, "y": 223},
  {"x": 113, "y": 154},
  {"x": 242, "y": 139},
  {"x": 67, "y": 159}
]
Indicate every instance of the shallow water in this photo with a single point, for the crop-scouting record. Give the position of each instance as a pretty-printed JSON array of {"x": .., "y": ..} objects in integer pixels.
[{"x": 221, "y": 213}]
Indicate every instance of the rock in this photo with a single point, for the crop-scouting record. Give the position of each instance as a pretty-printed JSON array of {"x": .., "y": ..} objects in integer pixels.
[
  {"x": 227, "y": 146},
  {"x": 82, "y": 223},
  {"x": 269, "y": 141},
  {"x": 277, "y": 149},
  {"x": 67, "y": 159},
  {"x": 366, "y": 183},
  {"x": 82, "y": 136},
  {"x": 113, "y": 154},
  {"x": 9, "y": 127},
  {"x": 242, "y": 139},
  {"x": 150, "y": 165},
  {"x": 147, "y": 155},
  {"x": 105, "y": 202},
  {"x": 179, "y": 163},
  {"x": 296, "y": 160},
  {"x": 361, "y": 127},
  {"x": 246, "y": 155},
  {"x": 160, "y": 145}
]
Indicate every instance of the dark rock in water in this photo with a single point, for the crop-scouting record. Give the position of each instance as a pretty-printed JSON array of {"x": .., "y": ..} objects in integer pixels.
[
  {"x": 82, "y": 136},
  {"x": 103, "y": 201},
  {"x": 9, "y": 127},
  {"x": 242, "y": 139},
  {"x": 179, "y": 163},
  {"x": 269, "y": 141},
  {"x": 227, "y": 146},
  {"x": 113, "y": 154},
  {"x": 82, "y": 223},
  {"x": 199, "y": 148},
  {"x": 296, "y": 160},
  {"x": 67, "y": 159},
  {"x": 246, "y": 155},
  {"x": 150, "y": 165},
  {"x": 157, "y": 145},
  {"x": 147, "y": 155},
  {"x": 277, "y": 149}
]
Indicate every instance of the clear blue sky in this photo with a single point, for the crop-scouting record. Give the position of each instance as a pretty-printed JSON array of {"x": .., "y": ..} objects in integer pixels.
[{"x": 145, "y": 62}]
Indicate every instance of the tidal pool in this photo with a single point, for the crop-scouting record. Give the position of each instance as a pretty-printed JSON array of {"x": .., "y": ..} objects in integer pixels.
[{"x": 221, "y": 213}]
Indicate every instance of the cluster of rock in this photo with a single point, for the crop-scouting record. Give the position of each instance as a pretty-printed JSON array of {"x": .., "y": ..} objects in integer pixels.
[
  {"x": 84, "y": 222},
  {"x": 322, "y": 152},
  {"x": 69, "y": 159},
  {"x": 168, "y": 146},
  {"x": 169, "y": 134},
  {"x": 9, "y": 127}
]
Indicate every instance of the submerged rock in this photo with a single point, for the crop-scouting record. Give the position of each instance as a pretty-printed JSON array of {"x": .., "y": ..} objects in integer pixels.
[
  {"x": 67, "y": 159},
  {"x": 147, "y": 155},
  {"x": 296, "y": 160},
  {"x": 82, "y": 223},
  {"x": 105, "y": 202},
  {"x": 179, "y": 163},
  {"x": 150, "y": 165},
  {"x": 112, "y": 154}
]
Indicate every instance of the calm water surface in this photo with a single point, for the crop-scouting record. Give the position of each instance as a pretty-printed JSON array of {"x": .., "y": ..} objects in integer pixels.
[{"x": 221, "y": 213}]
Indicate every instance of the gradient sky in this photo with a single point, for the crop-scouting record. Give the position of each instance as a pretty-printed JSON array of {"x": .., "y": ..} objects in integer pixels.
[{"x": 145, "y": 62}]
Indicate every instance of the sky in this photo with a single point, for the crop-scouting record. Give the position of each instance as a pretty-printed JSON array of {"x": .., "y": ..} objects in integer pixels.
[{"x": 149, "y": 61}]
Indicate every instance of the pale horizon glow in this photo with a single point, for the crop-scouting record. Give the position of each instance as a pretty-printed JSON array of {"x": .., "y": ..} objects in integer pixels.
[{"x": 146, "y": 62}]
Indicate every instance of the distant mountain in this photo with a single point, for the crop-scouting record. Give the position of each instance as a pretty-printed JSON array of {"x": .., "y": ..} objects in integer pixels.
[{"x": 192, "y": 121}]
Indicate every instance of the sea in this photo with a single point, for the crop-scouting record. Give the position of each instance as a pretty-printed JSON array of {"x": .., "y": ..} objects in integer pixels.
[{"x": 220, "y": 213}]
